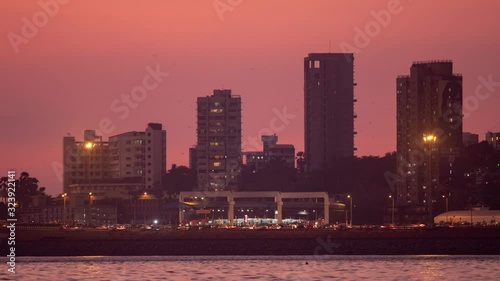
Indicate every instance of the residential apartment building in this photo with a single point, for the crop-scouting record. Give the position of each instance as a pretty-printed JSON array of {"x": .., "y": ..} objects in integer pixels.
[
  {"x": 329, "y": 109},
  {"x": 133, "y": 157},
  {"x": 429, "y": 138},
  {"x": 218, "y": 147}
]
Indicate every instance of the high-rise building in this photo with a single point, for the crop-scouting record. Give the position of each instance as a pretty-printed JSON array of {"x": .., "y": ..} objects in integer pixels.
[
  {"x": 329, "y": 108},
  {"x": 155, "y": 163},
  {"x": 193, "y": 157},
  {"x": 218, "y": 147},
  {"x": 469, "y": 139},
  {"x": 429, "y": 139},
  {"x": 493, "y": 139},
  {"x": 131, "y": 156}
]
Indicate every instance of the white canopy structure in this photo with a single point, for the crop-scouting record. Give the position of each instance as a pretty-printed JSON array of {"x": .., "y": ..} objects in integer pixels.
[{"x": 476, "y": 215}]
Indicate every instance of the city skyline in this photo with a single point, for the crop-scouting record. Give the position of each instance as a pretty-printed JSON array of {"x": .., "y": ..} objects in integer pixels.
[{"x": 68, "y": 87}]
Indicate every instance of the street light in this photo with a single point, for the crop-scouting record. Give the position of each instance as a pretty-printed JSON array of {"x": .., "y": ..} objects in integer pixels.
[
  {"x": 350, "y": 201},
  {"x": 446, "y": 200},
  {"x": 89, "y": 145},
  {"x": 64, "y": 207},
  {"x": 392, "y": 197},
  {"x": 430, "y": 139},
  {"x": 90, "y": 208}
]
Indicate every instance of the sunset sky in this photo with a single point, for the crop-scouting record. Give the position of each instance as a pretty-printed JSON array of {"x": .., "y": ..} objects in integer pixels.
[{"x": 63, "y": 77}]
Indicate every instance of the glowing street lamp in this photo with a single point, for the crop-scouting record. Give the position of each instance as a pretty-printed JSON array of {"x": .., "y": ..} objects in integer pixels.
[
  {"x": 64, "y": 207},
  {"x": 90, "y": 208},
  {"x": 392, "y": 197},
  {"x": 446, "y": 202},
  {"x": 89, "y": 146},
  {"x": 350, "y": 203},
  {"x": 430, "y": 140}
]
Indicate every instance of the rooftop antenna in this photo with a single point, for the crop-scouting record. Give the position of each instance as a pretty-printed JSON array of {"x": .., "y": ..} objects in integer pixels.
[{"x": 330, "y": 47}]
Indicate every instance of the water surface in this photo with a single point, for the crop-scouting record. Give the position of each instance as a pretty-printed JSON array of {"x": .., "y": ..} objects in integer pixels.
[{"x": 267, "y": 268}]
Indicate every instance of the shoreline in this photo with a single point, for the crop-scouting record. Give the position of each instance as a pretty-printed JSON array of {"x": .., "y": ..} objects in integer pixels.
[{"x": 254, "y": 242}]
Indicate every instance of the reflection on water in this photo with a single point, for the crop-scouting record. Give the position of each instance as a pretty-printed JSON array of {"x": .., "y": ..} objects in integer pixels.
[{"x": 308, "y": 268}]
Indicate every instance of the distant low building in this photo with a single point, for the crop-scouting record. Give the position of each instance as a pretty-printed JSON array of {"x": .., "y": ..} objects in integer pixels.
[
  {"x": 469, "y": 139},
  {"x": 493, "y": 139},
  {"x": 71, "y": 210},
  {"x": 101, "y": 191},
  {"x": 272, "y": 151},
  {"x": 255, "y": 160}
]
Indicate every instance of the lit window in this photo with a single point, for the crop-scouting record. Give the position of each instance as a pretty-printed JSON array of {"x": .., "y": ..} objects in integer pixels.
[{"x": 216, "y": 164}]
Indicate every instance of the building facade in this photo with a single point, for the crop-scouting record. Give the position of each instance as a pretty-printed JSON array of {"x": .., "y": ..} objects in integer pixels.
[
  {"x": 256, "y": 160},
  {"x": 131, "y": 156},
  {"x": 218, "y": 147},
  {"x": 85, "y": 161},
  {"x": 493, "y": 139},
  {"x": 329, "y": 108},
  {"x": 155, "y": 155},
  {"x": 70, "y": 210},
  {"x": 272, "y": 151},
  {"x": 429, "y": 138}
]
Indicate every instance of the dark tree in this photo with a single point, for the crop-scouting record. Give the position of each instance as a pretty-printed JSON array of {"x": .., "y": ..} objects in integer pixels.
[
  {"x": 180, "y": 178},
  {"x": 25, "y": 188}
]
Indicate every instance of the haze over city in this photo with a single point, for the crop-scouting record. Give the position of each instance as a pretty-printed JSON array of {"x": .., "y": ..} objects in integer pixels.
[{"x": 66, "y": 77}]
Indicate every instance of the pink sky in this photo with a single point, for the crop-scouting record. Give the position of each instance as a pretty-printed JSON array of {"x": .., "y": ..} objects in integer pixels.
[{"x": 64, "y": 79}]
